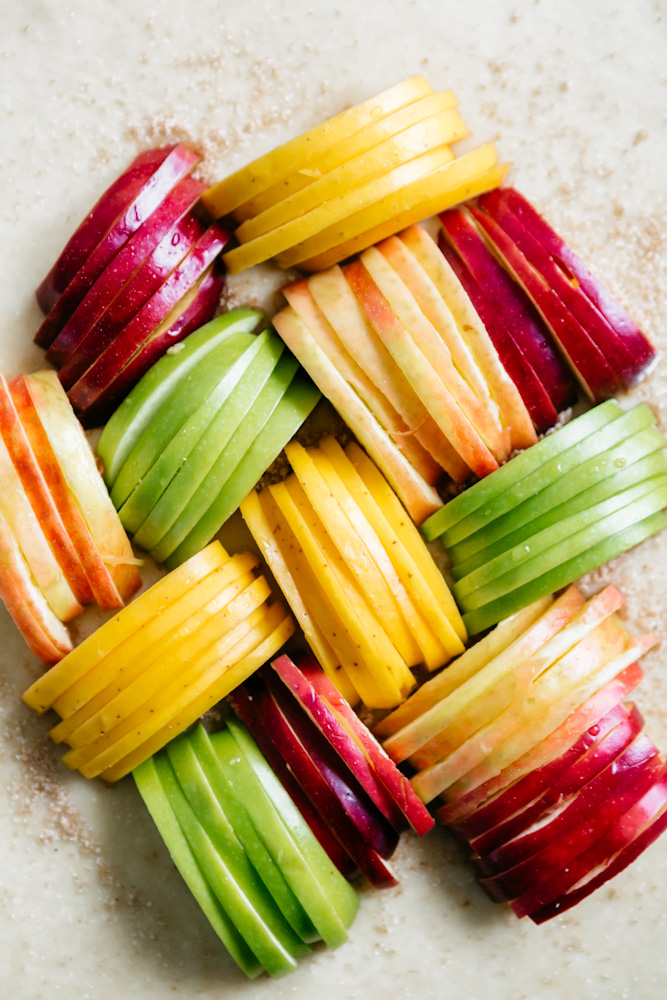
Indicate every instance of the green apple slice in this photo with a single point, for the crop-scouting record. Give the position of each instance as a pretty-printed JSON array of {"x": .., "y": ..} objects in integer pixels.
[
  {"x": 277, "y": 414},
  {"x": 137, "y": 410},
  {"x": 341, "y": 896},
  {"x": 194, "y": 390},
  {"x": 147, "y": 778},
  {"x": 294, "y": 858},
  {"x": 235, "y": 882},
  {"x": 570, "y": 569},
  {"x": 560, "y": 465},
  {"x": 223, "y": 818},
  {"x": 560, "y": 541},
  {"x": 215, "y": 437},
  {"x": 530, "y": 522},
  {"x": 475, "y": 499}
]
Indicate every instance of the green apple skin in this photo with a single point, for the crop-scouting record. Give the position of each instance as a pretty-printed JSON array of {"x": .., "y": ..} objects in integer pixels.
[
  {"x": 341, "y": 899},
  {"x": 216, "y": 804},
  {"x": 641, "y": 466},
  {"x": 235, "y": 882},
  {"x": 137, "y": 410},
  {"x": 216, "y": 435},
  {"x": 474, "y": 500},
  {"x": 172, "y": 447},
  {"x": 255, "y": 445},
  {"x": 147, "y": 778},
  {"x": 569, "y": 570},
  {"x": 191, "y": 393}
]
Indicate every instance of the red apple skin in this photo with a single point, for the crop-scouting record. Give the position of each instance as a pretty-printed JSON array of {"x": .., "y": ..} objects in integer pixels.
[
  {"x": 513, "y": 841},
  {"x": 519, "y": 315},
  {"x": 107, "y": 366},
  {"x": 616, "y": 791},
  {"x": 593, "y": 363},
  {"x": 245, "y": 705},
  {"x": 125, "y": 266},
  {"x": 575, "y": 270},
  {"x": 174, "y": 163},
  {"x": 535, "y": 397},
  {"x": 101, "y": 584},
  {"x": 591, "y": 712},
  {"x": 30, "y": 474},
  {"x": 637, "y": 830},
  {"x": 200, "y": 311}
]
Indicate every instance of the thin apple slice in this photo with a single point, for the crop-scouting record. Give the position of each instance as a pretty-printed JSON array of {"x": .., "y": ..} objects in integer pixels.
[
  {"x": 126, "y": 265},
  {"x": 170, "y": 166},
  {"x": 77, "y": 464},
  {"x": 419, "y": 497},
  {"x": 108, "y": 209}
]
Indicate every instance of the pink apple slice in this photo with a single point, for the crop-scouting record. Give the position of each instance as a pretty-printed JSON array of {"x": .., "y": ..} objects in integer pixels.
[
  {"x": 576, "y": 271},
  {"x": 464, "y": 803},
  {"x": 170, "y": 165},
  {"x": 183, "y": 320},
  {"x": 245, "y": 706},
  {"x": 518, "y": 315},
  {"x": 36, "y": 488},
  {"x": 113, "y": 280},
  {"x": 181, "y": 281},
  {"x": 534, "y": 395}
]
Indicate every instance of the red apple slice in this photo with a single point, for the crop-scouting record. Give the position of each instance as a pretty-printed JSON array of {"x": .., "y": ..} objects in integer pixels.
[
  {"x": 576, "y": 272},
  {"x": 182, "y": 280},
  {"x": 245, "y": 705},
  {"x": 114, "y": 201},
  {"x": 576, "y": 342},
  {"x": 183, "y": 320},
  {"x": 30, "y": 474},
  {"x": 629, "y": 837},
  {"x": 125, "y": 266},
  {"x": 46, "y": 637},
  {"x": 518, "y": 315},
  {"x": 464, "y": 803},
  {"x": 171, "y": 164},
  {"x": 534, "y": 395}
]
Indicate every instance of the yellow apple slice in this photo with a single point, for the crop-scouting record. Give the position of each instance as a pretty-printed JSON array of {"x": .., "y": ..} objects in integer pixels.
[
  {"x": 299, "y": 585},
  {"x": 43, "y": 693},
  {"x": 368, "y": 137},
  {"x": 445, "y": 185},
  {"x": 419, "y": 497},
  {"x": 246, "y": 183},
  {"x": 432, "y": 133},
  {"x": 354, "y": 540},
  {"x": 268, "y": 636},
  {"x": 333, "y": 213},
  {"x": 462, "y": 669},
  {"x": 151, "y": 641},
  {"x": 451, "y": 292}
]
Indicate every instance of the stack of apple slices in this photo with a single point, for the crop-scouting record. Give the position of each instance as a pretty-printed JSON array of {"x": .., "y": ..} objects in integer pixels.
[
  {"x": 353, "y": 180},
  {"x": 323, "y": 753},
  {"x": 137, "y": 276},
  {"x": 360, "y": 580},
  {"x": 253, "y": 865},
  {"x": 61, "y": 541},
  {"x": 392, "y": 340},
  {"x": 542, "y": 768},
  {"x": 152, "y": 670},
  {"x": 581, "y": 496},
  {"x": 604, "y": 348},
  {"x": 198, "y": 432}
]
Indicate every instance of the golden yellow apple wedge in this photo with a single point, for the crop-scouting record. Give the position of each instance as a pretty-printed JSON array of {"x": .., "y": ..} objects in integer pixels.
[
  {"x": 251, "y": 180},
  {"x": 446, "y": 184},
  {"x": 43, "y": 693},
  {"x": 368, "y": 137}
]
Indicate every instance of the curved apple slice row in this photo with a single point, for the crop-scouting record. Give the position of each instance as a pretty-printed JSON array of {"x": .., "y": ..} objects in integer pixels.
[{"x": 170, "y": 165}]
